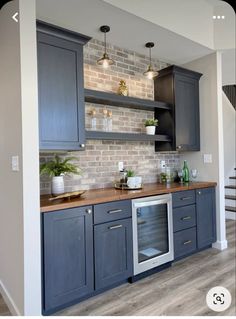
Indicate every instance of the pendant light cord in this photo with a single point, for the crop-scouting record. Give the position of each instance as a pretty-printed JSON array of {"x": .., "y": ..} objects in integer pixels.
[
  {"x": 105, "y": 42},
  {"x": 150, "y": 56}
]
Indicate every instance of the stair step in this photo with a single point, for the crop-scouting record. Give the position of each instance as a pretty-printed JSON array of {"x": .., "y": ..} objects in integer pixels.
[
  {"x": 230, "y": 209},
  {"x": 233, "y": 197},
  {"x": 230, "y": 186},
  {"x": 232, "y": 177}
]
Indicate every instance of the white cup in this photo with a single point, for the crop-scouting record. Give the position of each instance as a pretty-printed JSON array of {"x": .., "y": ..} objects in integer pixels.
[
  {"x": 138, "y": 181},
  {"x": 131, "y": 182}
]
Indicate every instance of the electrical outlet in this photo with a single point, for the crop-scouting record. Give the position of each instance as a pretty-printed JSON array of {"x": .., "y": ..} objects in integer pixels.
[
  {"x": 15, "y": 163},
  {"x": 120, "y": 166},
  {"x": 163, "y": 164},
  {"x": 207, "y": 158}
]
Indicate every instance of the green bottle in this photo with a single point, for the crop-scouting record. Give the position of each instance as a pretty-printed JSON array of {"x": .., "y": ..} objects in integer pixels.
[{"x": 185, "y": 172}]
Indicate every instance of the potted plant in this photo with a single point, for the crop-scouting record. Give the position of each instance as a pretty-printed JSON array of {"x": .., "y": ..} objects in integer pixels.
[
  {"x": 151, "y": 126},
  {"x": 56, "y": 169}
]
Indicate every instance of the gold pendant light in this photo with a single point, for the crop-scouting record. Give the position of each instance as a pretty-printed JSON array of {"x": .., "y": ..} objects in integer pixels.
[
  {"x": 150, "y": 73},
  {"x": 105, "y": 61}
]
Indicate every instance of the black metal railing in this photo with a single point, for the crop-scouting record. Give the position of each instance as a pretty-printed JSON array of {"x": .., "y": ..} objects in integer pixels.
[{"x": 230, "y": 92}]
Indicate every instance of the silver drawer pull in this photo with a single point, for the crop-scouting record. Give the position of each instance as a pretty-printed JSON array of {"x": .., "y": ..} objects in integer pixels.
[
  {"x": 186, "y": 218},
  {"x": 89, "y": 211},
  {"x": 186, "y": 198},
  {"x": 187, "y": 242},
  {"x": 114, "y": 227},
  {"x": 114, "y": 211}
]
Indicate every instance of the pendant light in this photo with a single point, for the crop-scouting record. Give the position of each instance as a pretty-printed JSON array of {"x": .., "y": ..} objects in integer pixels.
[
  {"x": 150, "y": 73},
  {"x": 105, "y": 61}
]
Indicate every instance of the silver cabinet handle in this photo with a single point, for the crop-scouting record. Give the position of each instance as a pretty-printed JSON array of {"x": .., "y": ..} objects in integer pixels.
[
  {"x": 114, "y": 227},
  {"x": 187, "y": 242},
  {"x": 82, "y": 145},
  {"x": 114, "y": 211},
  {"x": 185, "y": 198},
  {"x": 186, "y": 218},
  {"x": 89, "y": 211},
  {"x": 199, "y": 193},
  {"x": 179, "y": 147}
]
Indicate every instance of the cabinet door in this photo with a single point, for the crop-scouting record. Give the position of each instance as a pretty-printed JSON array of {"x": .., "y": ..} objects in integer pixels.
[
  {"x": 67, "y": 256},
  {"x": 61, "y": 97},
  {"x": 113, "y": 252},
  {"x": 187, "y": 113},
  {"x": 206, "y": 217}
]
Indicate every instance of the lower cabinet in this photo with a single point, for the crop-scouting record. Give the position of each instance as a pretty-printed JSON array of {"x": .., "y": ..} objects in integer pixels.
[
  {"x": 206, "y": 217},
  {"x": 113, "y": 252},
  {"x": 67, "y": 256},
  {"x": 194, "y": 221}
]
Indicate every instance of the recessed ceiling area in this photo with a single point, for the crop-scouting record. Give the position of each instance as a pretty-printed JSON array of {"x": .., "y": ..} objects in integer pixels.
[{"x": 127, "y": 30}]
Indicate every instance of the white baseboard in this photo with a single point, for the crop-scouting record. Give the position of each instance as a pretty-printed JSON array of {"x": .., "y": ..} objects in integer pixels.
[
  {"x": 230, "y": 215},
  {"x": 9, "y": 301},
  {"x": 221, "y": 245}
]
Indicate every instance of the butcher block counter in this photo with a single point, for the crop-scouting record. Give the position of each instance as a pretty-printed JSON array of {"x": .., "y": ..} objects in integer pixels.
[{"x": 97, "y": 196}]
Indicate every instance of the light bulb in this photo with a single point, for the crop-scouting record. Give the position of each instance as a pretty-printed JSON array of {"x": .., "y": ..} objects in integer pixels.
[{"x": 105, "y": 64}]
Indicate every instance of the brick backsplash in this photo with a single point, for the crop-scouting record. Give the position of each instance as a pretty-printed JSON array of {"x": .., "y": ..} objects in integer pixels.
[{"x": 99, "y": 162}]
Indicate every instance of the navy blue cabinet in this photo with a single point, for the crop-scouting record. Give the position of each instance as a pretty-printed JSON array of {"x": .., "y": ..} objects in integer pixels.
[
  {"x": 113, "y": 252},
  {"x": 61, "y": 88},
  {"x": 180, "y": 87},
  {"x": 67, "y": 256},
  {"x": 206, "y": 217}
]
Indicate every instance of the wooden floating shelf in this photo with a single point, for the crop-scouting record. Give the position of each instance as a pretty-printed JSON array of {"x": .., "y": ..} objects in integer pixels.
[
  {"x": 99, "y": 97},
  {"x": 100, "y": 135}
]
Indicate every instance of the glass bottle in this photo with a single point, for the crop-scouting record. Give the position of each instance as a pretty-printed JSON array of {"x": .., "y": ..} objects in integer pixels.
[
  {"x": 109, "y": 121},
  {"x": 104, "y": 120},
  {"x": 185, "y": 172},
  {"x": 93, "y": 120}
]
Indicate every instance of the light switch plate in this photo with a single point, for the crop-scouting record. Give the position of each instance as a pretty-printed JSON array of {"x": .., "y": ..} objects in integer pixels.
[
  {"x": 15, "y": 163},
  {"x": 120, "y": 166},
  {"x": 207, "y": 158}
]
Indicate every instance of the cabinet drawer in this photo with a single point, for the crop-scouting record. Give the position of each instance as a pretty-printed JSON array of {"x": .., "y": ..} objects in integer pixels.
[
  {"x": 183, "y": 198},
  {"x": 184, "y": 242},
  {"x": 112, "y": 211},
  {"x": 184, "y": 217}
]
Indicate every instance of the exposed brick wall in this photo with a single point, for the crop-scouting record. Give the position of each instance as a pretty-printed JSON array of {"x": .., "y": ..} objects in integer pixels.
[{"x": 99, "y": 161}]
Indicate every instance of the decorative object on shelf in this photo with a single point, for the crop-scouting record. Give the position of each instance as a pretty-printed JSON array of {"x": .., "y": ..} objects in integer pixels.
[
  {"x": 151, "y": 126},
  {"x": 130, "y": 173},
  {"x": 105, "y": 61},
  {"x": 69, "y": 195},
  {"x": 123, "y": 177},
  {"x": 104, "y": 120},
  {"x": 109, "y": 121},
  {"x": 185, "y": 172},
  {"x": 93, "y": 120},
  {"x": 150, "y": 73},
  {"x": 56, "y": 169},
  {"x": 122, "y": 89}
]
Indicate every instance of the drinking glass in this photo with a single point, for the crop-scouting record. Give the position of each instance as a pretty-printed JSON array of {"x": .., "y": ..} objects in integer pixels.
[
  {"x": 194, "y": 173},
  {"x": 180, "y": 174}
]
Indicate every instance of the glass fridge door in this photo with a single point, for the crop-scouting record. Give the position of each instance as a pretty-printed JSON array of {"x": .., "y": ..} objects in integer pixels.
[{"x": 152, "y": 231}]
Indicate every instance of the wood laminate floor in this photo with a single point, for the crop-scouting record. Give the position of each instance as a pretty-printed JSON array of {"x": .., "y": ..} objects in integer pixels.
[{"x": 179, "y": 290}]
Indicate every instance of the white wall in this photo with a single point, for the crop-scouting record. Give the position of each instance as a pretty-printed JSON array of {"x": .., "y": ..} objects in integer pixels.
[
  {"x": 20, "y": 277},
  {"x": 229, "y": 123},
  {"x": 211, "y": 133},
  {"x": 189, "y": 18}
]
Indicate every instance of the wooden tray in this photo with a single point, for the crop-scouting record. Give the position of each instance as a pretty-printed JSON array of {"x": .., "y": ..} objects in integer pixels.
[
  {"x": 124, "y": 186},
  {"x": 68, "y": 195}
]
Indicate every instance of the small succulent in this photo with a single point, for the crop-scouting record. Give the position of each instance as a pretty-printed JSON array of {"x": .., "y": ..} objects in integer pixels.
[
  {"x": 130, "y": 173},
  {"x": 151, "y": 122}
]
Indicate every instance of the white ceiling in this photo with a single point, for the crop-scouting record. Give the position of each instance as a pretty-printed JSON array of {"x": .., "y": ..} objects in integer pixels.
[{"x": 127, "y": 30}]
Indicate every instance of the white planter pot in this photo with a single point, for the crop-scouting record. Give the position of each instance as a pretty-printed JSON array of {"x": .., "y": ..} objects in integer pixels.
[
  {"x": 58, "y": 185},
  {"x": 150, "y": 130}
]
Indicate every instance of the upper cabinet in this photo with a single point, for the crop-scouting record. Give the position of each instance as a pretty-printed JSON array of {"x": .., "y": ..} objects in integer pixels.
[
  {"x": 180, "y": 87},
  {"x": 60, "y": 88}
]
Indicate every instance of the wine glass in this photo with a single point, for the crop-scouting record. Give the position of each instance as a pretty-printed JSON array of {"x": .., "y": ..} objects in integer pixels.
[
  {"x": 180, "y": 174},
  {"x": 194, "y": 173}
]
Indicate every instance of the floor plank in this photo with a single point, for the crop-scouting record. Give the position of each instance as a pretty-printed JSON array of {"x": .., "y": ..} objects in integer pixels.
[{"x": 178, "y": 290}]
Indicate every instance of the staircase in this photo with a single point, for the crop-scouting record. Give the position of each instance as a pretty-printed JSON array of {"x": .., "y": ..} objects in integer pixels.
[
  {"x": 230, "y": 92},
  {"x": 230, "y": 198}
]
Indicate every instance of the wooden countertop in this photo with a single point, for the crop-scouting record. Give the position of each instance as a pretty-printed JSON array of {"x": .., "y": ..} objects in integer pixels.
[{"x": 97, "y": 196}]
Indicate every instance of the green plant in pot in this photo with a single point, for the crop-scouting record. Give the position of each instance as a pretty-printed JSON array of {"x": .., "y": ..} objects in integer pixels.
[
  {"x": 150, "y": 125},
  {"x": 56, "y": 169}
]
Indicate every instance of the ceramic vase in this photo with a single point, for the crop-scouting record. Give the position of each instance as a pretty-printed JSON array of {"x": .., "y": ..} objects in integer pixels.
[
  {"x": 58, "y": 187},
  {"x": 150, "y": 130}
]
